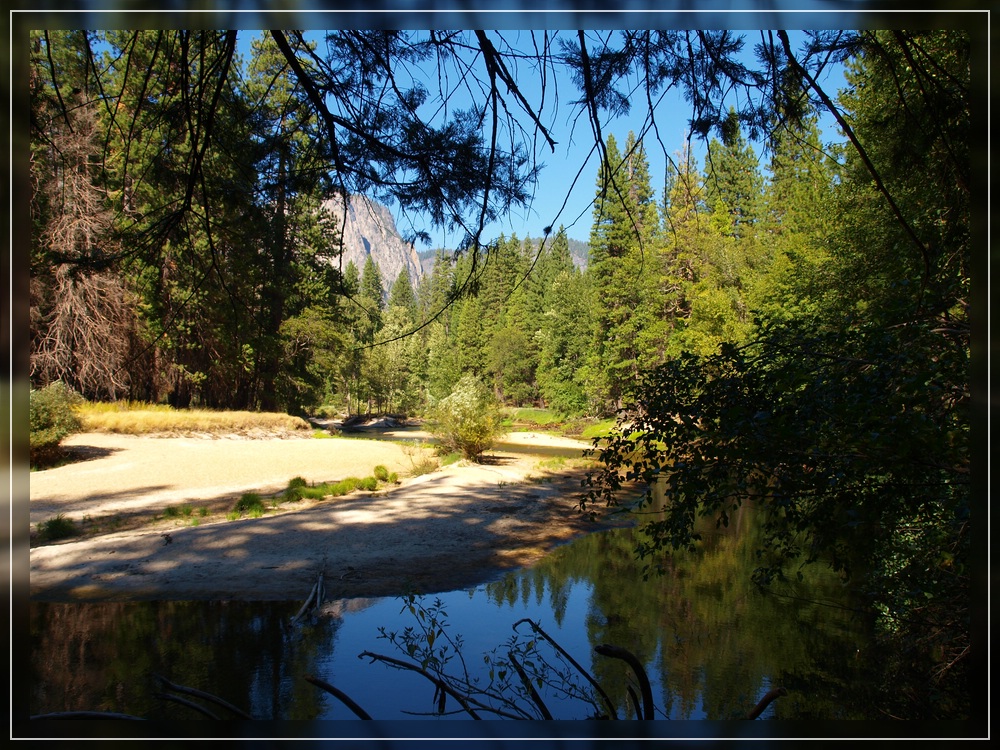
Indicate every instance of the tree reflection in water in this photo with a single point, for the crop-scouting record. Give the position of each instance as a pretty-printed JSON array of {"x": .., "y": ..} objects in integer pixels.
[{"x": 712, "y": 643}]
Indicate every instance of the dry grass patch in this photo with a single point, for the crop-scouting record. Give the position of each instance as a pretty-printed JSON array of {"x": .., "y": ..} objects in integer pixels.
[{"x": 131, "y": 418}]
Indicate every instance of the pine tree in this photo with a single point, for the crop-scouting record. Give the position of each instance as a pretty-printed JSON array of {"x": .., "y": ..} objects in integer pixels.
[
  {"x": 796, "y": 224},
  {"x": 623, "y": 245},
  {"x": 733, "y": 183},
  {"x": 401, "y": 295}
]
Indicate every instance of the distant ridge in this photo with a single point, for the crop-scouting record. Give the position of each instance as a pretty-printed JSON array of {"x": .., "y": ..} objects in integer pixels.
[{"x": 578, "y": 250}]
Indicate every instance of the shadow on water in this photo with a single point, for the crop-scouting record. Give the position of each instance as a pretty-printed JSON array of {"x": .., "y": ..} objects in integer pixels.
[{"x": 712, "y": 643}]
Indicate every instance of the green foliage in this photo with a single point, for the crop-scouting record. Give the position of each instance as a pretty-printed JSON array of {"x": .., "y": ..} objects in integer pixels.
[
  {"x": 248, "y": 503},
  {"x": 469, "y": 419},
  {"x": 51, "y": 417},
  {"x": 852, "y": 443},
  {"x": 381, "y": 473},
  {"x": 56, "y": 528},
  {"x": 294, "y": 491}
]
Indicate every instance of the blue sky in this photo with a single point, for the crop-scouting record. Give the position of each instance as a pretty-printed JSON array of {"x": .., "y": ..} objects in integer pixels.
[{"x": 567, "y": 182}]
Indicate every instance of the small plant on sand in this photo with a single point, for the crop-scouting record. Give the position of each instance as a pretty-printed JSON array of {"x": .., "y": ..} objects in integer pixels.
[
  {"x": 449, "y": 458},
  {"x": 249, "y": 503},
  {"x": 203, "y": 511},
  {"x": 295, "y": 490},
  {"x": 171, "y": 511},
  {"x": 59, "y": 527},
  {"x": 381, "y": 473},
  {"x": 420, "y": 463},
  {"x": 369, "y": 484}
]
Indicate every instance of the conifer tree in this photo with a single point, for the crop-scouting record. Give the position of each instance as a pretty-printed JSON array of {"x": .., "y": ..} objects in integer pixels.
[
  {"x": 623, "y": 246},
  {"x": 796, "y": 223}
]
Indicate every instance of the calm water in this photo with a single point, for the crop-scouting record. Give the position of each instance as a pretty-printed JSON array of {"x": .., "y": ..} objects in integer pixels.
[{"x": 712, "y": 643}]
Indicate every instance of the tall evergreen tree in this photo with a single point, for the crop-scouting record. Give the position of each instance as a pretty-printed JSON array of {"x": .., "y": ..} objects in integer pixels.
[
  {"x": 797, "y": 222},
  {"x": 733, "y": 183},
  {"x": 623, "y": 246}
]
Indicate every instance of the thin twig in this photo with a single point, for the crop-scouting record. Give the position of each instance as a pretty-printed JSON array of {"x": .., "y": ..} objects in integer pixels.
[
  {"x": 186, "y": 702},
  {"x": 538, "y": 629},
  {"x": 535, "y": 697},
  {"x": 86, "y": 715},
  {"x": 437, "y": 681}
]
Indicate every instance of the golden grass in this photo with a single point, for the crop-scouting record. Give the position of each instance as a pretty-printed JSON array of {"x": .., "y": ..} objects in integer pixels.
[{"x": 131, "y": 418}]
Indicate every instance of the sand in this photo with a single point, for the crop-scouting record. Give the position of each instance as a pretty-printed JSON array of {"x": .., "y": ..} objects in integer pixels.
[{"x": 457, "y": 527}]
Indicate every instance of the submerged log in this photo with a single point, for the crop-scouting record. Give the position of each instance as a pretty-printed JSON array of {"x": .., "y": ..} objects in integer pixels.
[{"x": 769, "y": 696}]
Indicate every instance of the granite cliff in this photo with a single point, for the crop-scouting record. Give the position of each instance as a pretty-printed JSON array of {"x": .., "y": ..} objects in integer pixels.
[{"x": 370, "y": 230}]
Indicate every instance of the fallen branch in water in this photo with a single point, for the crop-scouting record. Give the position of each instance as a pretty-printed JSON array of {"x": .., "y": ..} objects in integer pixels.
[
  {"x": 315, "y": 598},
  {"x": 535, "y": 697},
  {"x": 185, "y": 702},
  {"x": 341, "y": 696},
  {"x": 765, "y": 702},
  {"x": 86, "y": 715},
  {"x": 617, "y": 652},
  {"x": 200, "y": 694}
]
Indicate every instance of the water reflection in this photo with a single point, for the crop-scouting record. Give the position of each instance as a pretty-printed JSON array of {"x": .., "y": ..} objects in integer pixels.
[{"x": 712, "y": 643}]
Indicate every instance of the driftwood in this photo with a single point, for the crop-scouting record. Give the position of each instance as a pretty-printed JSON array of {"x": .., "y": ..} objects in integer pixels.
[
  {"x": 341, "y": 696},
  {"x": 315, "y": 598},
  {"x": 199, "y": 694},
  {"x": 769, "y": 696}
]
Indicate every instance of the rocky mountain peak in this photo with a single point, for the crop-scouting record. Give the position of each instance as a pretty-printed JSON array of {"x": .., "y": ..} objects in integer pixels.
[{"x": 369, "y": 229}]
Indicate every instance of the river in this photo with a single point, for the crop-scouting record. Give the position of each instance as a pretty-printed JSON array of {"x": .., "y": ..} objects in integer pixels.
[{"x": 711, "y": 642}]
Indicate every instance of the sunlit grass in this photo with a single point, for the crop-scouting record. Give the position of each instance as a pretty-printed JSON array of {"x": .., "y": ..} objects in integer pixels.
[
  {"x": 450, "y": 458},
  {"x": 599, "y": 429},
  {"x": 137, "y": 418},
  {"x": 535, "y": 417}
]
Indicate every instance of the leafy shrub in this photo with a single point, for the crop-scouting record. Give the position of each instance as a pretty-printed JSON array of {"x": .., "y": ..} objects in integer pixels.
[
  {"x": 59, "y": 527},
  {"x": 52, "y": 417},
  {"x": 381, "y": 473},
  {"x": 468, "y": 420},
  {"x": 369, "y": 483}
]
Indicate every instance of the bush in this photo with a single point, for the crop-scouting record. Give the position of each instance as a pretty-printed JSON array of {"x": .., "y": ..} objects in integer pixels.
[
  {"x": 468, "y": 420},
  {"x": 295, "y": 490},
  {"x": 51, "y": 418},
  {"x": 59, "y": 527},
  {"x": 249, "y": 503},
  {"x": 381, "y": 473}
]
